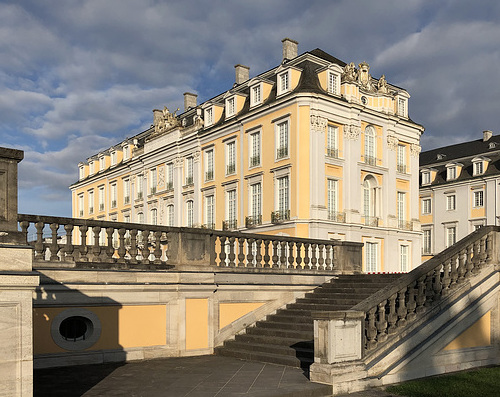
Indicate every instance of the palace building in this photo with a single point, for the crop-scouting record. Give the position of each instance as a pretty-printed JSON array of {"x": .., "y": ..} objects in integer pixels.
[
  {"x": 458, "y": 191},
  {"x": 314, "y": 147}
]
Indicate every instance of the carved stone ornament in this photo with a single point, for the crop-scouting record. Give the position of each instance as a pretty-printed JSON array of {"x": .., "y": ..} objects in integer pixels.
[
  {"x": 164, "y": 121},
  {"x": 349, "y": 73},
  {"x": 352, "y": 132},
  {"x": 178, "y": 162},
  {"x": 364, "y": 77},
  {"x": 318, "y": 123},
  {"x": 415, "y": 150},
  {"x": 196, "y": 156},
  {"x": 161, "y": 176},
  {"x": 382, "y": 85},
  {"x": 392, "y": 142}
]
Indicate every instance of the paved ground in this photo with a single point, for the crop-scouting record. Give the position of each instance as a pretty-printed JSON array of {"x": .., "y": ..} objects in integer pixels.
[{"x": 205, "y": 376}]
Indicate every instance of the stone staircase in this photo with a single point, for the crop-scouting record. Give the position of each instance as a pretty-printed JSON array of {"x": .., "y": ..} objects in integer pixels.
[{"x": 286, "y": 337}]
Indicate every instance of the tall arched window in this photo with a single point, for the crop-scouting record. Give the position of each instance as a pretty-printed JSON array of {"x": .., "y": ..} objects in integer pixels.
[
  {"x": 189, "y": 213},
  {"x": 370, "y": 201},
  {"x": 154, "y": 216},
  {"x": 370, "y": 146},
  {"x": 170, "y": 215}
]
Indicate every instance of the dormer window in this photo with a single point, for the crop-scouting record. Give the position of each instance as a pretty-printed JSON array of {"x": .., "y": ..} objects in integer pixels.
[
  {"x": 333, "y": 83},
  {"x": 126, "y": 153},
  {"x": 492, "y": 145},
  {"x": 479, "y": 165},
  {"x": 91, "y": 168},
  {"x": 402, "y": 107},
  {"x": 230, "y": 107},
  {"x": 102, "y": 164},
  {"x": 478, "y": 168},
  {"x": 451, "y": 172},
  {"x": 283, "y": 82},
  {"x": 255, "y": 95},
  {"x": 209, "y": 116},
  {"x": 82, "y": 172},
  {"x": 426, "y": 178},
  {"x": 113, "y": 158}
]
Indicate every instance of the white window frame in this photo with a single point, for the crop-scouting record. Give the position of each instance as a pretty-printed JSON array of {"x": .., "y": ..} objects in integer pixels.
[
  {"x": 402, "y": 107},
  {"x": 91, "y": 168},
  {"x": 426, "y": 178},
  {"x": 230, "y": 106},
  {"x": 333, "y": 83},
  {"x": 401, "y": 159},
  {"x": 189, "y": 179},
  {"x": 451, "y": 202},
  {"x": 114, "y": 158},
  {"x": 256, "y": 94},
  {"x": 126, "y": 152},
  {"x": 401, "y": 204},
  {"x": 282, "y": 194},
  {"x": 255, "y": 206},
  {"x": 140, "y": 186},
  {"x": 478, "y": 198},
  {"x": 153, "y": 216},
  {"x": 102, "y": 163},
  {"x": 82, "y": 172},
  {"x": 254, "y": 144},
  {"x": 451, "y": 172},
  {"x": 153, "y": 180},
  {"x": 169, "y": 176},
  {"x": 231, "y": 157},
  {"x": 126, "y": 191},
  {"x": 427, "y": 241},
  {"x": 426, "y": 206},
  {"x": 170, "y": 215},
  {"x": 478, "y": 168},
  {"x": 101, "y": 198},
  {"x": 332, "y": 198},
  {"x": 81, "y": 204},
  {"x": 189, "y": 213},
  {"x": 91, "y": 201},
  {"x": 404, "y": 258},
  {"x": 451, "y": 235},
  {"x": 332, "y": 141},
  {"x": 231, "y": 205},
  {"x": 282, "y": 140},
  {"x": 210, "y": 210},
  {"x": 209, "y": 165},
  {"x": 370, "y": 145},
  {"x": 113, "y": 193},
  {"x": 209, "y": 116},
  {"x": 283, "y": 82},
  {"x": 371, "y": 256}
]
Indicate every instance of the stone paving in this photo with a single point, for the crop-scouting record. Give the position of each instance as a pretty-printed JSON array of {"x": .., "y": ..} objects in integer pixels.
[{"x": 178, "y": 377}]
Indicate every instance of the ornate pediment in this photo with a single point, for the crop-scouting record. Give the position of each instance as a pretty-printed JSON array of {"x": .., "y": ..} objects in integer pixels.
[{"x": 164, "y": 121}]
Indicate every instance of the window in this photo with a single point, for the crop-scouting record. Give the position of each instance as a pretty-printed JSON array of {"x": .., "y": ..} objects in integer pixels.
[
  {"x": 209, "y": 212},
  {"x": 283, "y": 83},
  {"x": 426, "y": 248},
  {"x": 451, "y": 201},
  {"x": 332, "y": 149},
  {"x": 256, "y": 203},
  {"x": 332, "y": 203},
  {"x": 126, "y": 218},
  {"x": 333, "y": 86},
  {"x": 153, "y": 216},
  {"x": 126, "y": 191},
  {"x": 126, "y": 152},
  {"x": 401, "y": 161},
  {"x": 102, "y": 163},
  {"x": 91, "y": 201},
  {"x": 139, "y": 186},
  {"x": 80, "y": 204},
  {"x": 370, "y": 146},
  {"x": 478, "y": 198},
  {"x": 189, "y": 171},
  {"x": 113, "y": 158},
  {"x": 371, "y": 257},
  {"x": 82, "y": 172},
  {"x": 209, "y": 165},
  {"x": 140, "y": 217},
  {"x": 209, "y": 116},
  {"x": 255, "y": 95},
  {"x": 170, "y": 215},
  {"x": 255, "y": 149},
  {"x": 189, "y": 213},
  {"x": 153, "y": 181},
  {"x": 426, "y": 206},
  {"x": 401, "y": 210},
  {"x": 283, "y": 197},
  {"x": 114, "y": 194},
  {"x": 101, "y": 198},
  {"x": 451, "y": 235},
  {"x": 170, "y": 176},
  {"x": 230, "y": 158},
  {"x": 451, "y": 173},
  {"x": 403, "y": 257},
  {"x": 282, "y": 140},
  {"x": 91, "y": 168},
  {"x": 230, "y": 107},
  {"x": 426, "y": 178},
  {"x": 369, "y": 201},
  {"x": 231, "y": 209},
  {"x": 402, "y": 107},
  {"x": 478, "y": 168}
]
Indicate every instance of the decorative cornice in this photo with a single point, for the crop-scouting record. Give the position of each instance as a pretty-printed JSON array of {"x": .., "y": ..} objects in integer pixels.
[
  {"x": 352, "y": 132},
  {"x": 392, "y": 142},
  {"x": 415, "y": 150},
  {"x": 318, "y": 123}
]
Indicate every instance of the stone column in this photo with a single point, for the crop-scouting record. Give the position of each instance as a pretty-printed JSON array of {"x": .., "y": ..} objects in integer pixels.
[{"x": 17, "y": 283}]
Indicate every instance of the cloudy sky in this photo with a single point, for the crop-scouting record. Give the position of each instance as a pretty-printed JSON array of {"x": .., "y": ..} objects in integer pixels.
[{"x": 77, "y": 76}]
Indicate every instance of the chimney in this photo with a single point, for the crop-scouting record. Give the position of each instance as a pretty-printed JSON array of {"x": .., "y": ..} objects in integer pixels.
[
  {"x": 189, "y": 100},
  {"x": 487, "y": 134},
  {"x": 290, "y": 48},
  {"x": 242, "y": 73}
]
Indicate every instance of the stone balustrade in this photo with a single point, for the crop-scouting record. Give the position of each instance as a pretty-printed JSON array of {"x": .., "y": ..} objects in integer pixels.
[
  {"x": 376, "y": 320},
  {"x": 68, "y": 240}
]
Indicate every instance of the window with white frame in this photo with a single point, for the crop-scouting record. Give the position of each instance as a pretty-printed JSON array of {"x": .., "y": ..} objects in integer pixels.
[
  {"x": 189, "y": 171},
  {"x": 209, "y": 116},
  {"x": 209, "y": 212},
  {"x": 230, "y": 158},
  {"x": 113, "y": 158},
  {"x": 126, "y": 191},
  {"x": 209, "y": 165},
  {"x": 426, "y": 241},
  {"x": 91, "y": 201},
  {"x": 426, "y": 206},
  {"x": 333, "y": 83},
  {"x": 402, "y": 107},
  {"x": 153, "y": 181},
  {"x": 170, "y": 215},
  {"x": 153, "y": 216},
  {"x": 478, "y": 168},
  {"x": 140, "y": 217},
  {"x": 256, "y": 202},
  {"x": 401, "y": 160},
  {"x": 189, "y": 213},
  {"x": 283, "y": 197},
  {"x": 370, "y": 146},
  {"x": 282, "y": 140},
  {"x": 451, "y": 202},
  {"x": 451, "y": 235},
  {"x": 426, "y": 178},
  {"x": 283, "y": 82},
  {"x": 139, "y": 186},
  {"x": 80, "y": 204},
  {"x": 369, "y": 199},
  {"x": 332, "y": 139},
  {"x": 255, "y": 95},
  {"x": 478, "y": 198},
  {"x": 126, "y": 152},
  {"x": 114, "y": 194},
  {"x": 230, "y": 107},
  {"x": 451, "y": 173},
  {"x": 82, "y": 172},
  {"x": 101, "y": 198},
  {"x": 371, "y": 257},
  {"x": 91, "y": 168},
  {"x": 332, "y": 198},
  {"x": 404, "y": 251},
  {"x": 231, "y": 209},
  {"x": 401, "y": 203},
  {"x": 254, "y": 149},
  {"x": 102, "y": 163},
  {"x": 126, "y": 218},
  {"x": 170, "y": 176}
]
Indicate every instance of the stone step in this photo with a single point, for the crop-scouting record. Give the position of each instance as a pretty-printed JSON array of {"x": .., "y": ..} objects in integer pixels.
[
  {"x": 332, "y": 300},
  {"x": 303, "y": 351},
  {"x": 271, "y": 340},
  {"x": 285, "y": 333},
  {"x": 286, "y": 318},
  {"x": 307, "y": 312},
  {"x": 289, "y": 325},
  {"x": 321, "y": 306},
  {"x": 265, "y": 357}
]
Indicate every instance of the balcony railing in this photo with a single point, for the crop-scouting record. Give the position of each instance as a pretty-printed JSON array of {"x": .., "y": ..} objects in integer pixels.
[
  {"x": 254, "y": 161},
  {"x": 229, "y": 224},
  {"x": 189, "y": 180},
  {"x": 170, "y": 185},
  {"x": 252, "y": 221},
  {"x": 280, "y": 216},
  {"x": 371, "y": 221},
  {"x": 405, "y": 225},
  {"x": 333, "y": 153},
  {"x": 282, "y": 152},
  {"x": 370, "y": 160},
  {"x": 209, "y": 175},
  {"x": 208, "y": 226},
  {"x": 230, "y": 169},
  {"x": 336, "y": 216},
  {"x": 401, "y": 168}
]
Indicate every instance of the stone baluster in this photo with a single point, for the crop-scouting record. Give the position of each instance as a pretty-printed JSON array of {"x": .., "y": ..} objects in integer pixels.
[
  {"x": 371, "y": 329},
  {"x": 96, "y": 250},
  {"x": 469, "y": 265},
  {"x": 267, "y": 258},
  {"x": 157, "y": 247},
  {"x": 314, "y": 256},
  {"x": 69, "y": 247},
  {"x": 476, "y": 259},
  {"x": 274, "y": 259},
  {"x": 392, "y": 318},
  {"x": 402, "y": 308},
  {"x": 122, "y": 251},
  {"x": 145, "y": 247},
  {"x": 429, "y": 292},
  {"x": 412, "y": 304},
  {"x": 39, "y": 249},
  {"x": 283, "y": 254},
  {"x": 446, "y": 280},
  {"x": 298, "y": 255},
  {"x": 307, "y": 256},
  {"x": 489, "y": 248},
  {"x": 108, "y": 252},
  {"x": 232, "y": 255},
  {"x": 241, "y": 251},
  {"x": 54, "y": 246},
  {"x": 24, "y": 229},
  {"x": 483, "y": 255},
  {"x": 462, "y": 266},
  {"x": 83, "y": 246},
  {"x": 258, "y": 257},
  {"x": 329, "y": 256},
  {"x": 250, "y": 256},
  {"x": 291, "y": 255},
  {"x": 436, "y": 284},
  {"x": 133, "y": 246},
  {"x": 321, "y": 258},
  {"x": 455, "y": 263},
  {"x": 222, "y": 255},
  {"x": 381, "y": 322},
  {"x": 420, "y": 294}
]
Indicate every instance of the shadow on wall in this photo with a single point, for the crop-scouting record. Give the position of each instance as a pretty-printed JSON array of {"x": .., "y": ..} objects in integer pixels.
[{"x": 70, "y": 329}]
